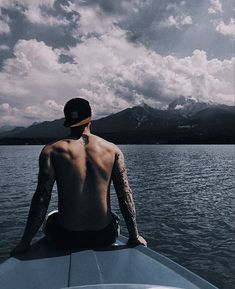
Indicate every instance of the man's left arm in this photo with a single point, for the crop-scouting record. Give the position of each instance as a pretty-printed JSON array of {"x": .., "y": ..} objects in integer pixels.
[{"x": 40, "y": 200}]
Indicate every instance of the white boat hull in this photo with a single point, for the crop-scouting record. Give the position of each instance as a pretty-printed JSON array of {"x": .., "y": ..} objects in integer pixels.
[{"x": 113, "y": 267}]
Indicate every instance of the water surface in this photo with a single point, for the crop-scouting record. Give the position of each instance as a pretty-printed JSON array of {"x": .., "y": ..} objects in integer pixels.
[{"x": 184, "y": 197}]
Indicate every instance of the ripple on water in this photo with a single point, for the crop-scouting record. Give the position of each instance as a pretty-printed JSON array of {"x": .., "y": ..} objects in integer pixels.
[{"x": 184, "y": 199}]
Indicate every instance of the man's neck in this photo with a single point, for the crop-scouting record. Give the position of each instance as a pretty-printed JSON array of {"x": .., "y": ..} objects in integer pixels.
[
  {"x": 87, "y": 131},
  {"x": 76, "y": 133}
]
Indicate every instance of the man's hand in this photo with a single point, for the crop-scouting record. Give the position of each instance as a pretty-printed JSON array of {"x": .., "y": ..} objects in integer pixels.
[
  {"x": 137, "y": 241},
  {"x": 22, "y": 247}
]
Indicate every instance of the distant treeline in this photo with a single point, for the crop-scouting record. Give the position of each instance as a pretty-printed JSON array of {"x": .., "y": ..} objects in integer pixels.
[{"x": 182, "y": 137}]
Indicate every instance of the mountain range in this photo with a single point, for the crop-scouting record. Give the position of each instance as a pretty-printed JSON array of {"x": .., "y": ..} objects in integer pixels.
[{"x": 185, "y": 121}]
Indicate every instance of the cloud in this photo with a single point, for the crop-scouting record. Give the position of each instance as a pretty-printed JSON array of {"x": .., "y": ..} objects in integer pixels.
[
  {"x": 31, "y": 55},
  {"x": 107, "y": 70},
  {"x": 225, "y": 29},
  {"x": 4, "y": 47},
  {"x": 23, "y": 3},
  {"x": 177, "y": 21},
  {"x": 216, "y": 7},
  {"x": 175, "y": 6},
  {"x": 44, "y": 20},
  {"x": 4, "y": 24},
  {"x": 63, "y": 23},
  {"x": 4, "y": 27},
  {"x": 48, "y": 110},
  {"x": 52, "y": 105},
  {"x": 35, "y": 15},
  {"x": 92, "y": 21},
  {"x": 115, "y": 54},
  {"x": 4, "y": 107},
  {"x": 148, "y": 21},
  {"x": 43, "y": 12},
  {"x": 8, "y": 114}
]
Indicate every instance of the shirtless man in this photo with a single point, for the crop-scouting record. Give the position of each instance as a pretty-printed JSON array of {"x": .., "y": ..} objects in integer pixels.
[{"x": 83, "y": 167}]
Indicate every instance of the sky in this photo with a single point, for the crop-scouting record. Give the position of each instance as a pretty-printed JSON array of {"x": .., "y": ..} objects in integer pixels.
[{"x": 116, "y": 54}]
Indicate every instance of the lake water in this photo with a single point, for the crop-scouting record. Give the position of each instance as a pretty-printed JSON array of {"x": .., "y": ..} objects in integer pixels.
[{"x": 184, "y": 195}]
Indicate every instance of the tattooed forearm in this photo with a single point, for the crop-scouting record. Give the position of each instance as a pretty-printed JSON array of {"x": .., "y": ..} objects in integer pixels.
[
  {"x": 37, "y": 213},
  {"x": 126, "y": 202},
  {"x": 127, "y": 208},
  {"x": 41, "y": 198}
]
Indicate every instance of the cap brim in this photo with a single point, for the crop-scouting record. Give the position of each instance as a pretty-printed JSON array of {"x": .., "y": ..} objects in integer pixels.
[{"x": 77, "y": 123}]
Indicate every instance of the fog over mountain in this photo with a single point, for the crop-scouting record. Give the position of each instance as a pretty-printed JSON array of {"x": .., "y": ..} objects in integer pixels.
[{"x": 188, "y": 106}]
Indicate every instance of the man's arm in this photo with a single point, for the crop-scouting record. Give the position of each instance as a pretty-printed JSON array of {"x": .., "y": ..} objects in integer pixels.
[
  {"x": 125, "y": 199},
  {"x": 40, "y": 200}
]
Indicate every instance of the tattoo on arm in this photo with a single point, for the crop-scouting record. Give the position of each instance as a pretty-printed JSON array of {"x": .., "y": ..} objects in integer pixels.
[
  {"x": 124, "y": 194},
  {"x": 41, "y": 198}
]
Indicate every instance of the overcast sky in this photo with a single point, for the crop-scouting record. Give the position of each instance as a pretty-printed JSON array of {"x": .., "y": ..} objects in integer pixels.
[{"x": 115, "y": 53}]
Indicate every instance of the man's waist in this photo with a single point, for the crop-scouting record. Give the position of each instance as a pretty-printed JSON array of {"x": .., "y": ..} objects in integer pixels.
[{"x": 81, "y": 223}]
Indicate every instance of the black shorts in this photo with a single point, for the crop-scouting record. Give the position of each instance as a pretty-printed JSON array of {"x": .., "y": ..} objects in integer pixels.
[{"x": 68, "y": 239}]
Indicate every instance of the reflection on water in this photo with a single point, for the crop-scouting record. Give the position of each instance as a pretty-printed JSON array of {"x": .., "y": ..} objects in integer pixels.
[{"x": 184, "y": 198}]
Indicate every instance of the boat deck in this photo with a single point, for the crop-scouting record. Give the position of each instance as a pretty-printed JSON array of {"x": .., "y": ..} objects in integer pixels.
[{"x": 119, "y": 266}]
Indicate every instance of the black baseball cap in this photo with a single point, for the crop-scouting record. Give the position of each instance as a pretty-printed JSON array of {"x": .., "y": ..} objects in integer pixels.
[{"x": 77, "y": 112}]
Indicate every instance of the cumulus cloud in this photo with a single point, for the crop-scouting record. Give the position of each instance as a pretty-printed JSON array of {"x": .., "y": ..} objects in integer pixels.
[
  {"x": 31, "y": 55},
  {"x": 93, "y": 21},
  {"x": 48, "y": 110},
  {"x": 111, "y": 62},
  {"x": 8, "y": 114},
  {"x": 225, "y": 29},
  {"x": 4, "y": 24},
  {"x": 164, "y": 26},
  {"x": 32, "y": 3},
  {"x": 61, "y": 23},
  {"x": 111, "y": 71},
  {"x": 40, "y": 19},
  {"x": 4, "y": 107},
  {"x": 175, "y": 6},
  {"x": 4, "y": 47},
  {"x": 4, "y": 27},
  {"x": 176, "y": 21},
  {"x": 35, "y": 15},
  {"x": 216, "y": 7},
  {"x": 41, "y": 12}
]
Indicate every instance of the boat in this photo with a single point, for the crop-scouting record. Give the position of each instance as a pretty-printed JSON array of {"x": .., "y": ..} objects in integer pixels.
[{"x": 114, "y": 267}]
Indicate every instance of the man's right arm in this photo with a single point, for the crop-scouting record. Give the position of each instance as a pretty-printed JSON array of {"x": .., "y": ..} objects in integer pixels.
[
  {"x": 40, "y": 201},
  {"x": 124, "y": 194}
]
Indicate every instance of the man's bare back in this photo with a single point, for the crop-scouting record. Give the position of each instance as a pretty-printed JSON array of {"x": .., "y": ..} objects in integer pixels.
[
  {"x": 83, "y": 166},
  {"x": 83, "y": 170}
]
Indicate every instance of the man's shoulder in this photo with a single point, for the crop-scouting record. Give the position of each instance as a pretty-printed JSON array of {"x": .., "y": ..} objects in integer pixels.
[
  {"x": 51, "y": 147},
  {"x": 106, "y": 144}
]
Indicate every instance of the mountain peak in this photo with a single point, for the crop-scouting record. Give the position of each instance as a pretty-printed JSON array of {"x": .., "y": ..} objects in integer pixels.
[
  {"x": 143, "y": 105},
  {"x": 188, "y": 105},
  {"x": 181, "y": 102}
]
